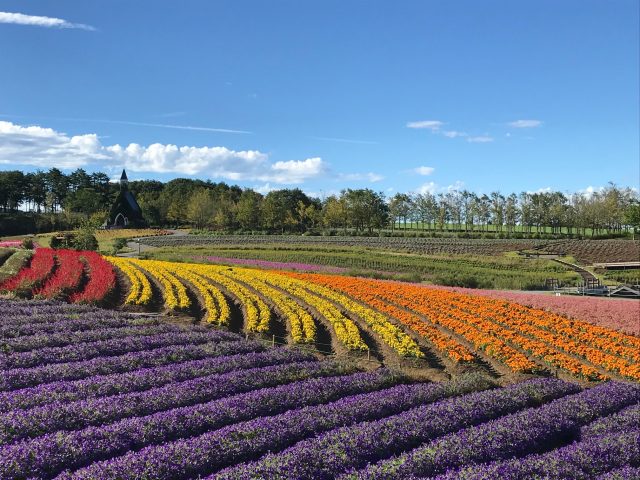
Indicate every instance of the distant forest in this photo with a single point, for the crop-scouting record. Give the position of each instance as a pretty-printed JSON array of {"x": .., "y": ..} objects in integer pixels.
[{"x": 57, "y": 201}]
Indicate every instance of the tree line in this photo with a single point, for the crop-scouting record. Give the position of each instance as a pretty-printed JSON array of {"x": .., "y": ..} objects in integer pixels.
[{"x": 208, "y": 205}]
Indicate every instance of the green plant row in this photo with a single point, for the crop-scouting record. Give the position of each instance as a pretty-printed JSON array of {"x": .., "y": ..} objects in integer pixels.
[{"x": 14, "y": 263}]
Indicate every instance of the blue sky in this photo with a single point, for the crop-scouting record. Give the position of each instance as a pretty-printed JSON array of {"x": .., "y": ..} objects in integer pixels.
[{"x": 392, "y": 95}]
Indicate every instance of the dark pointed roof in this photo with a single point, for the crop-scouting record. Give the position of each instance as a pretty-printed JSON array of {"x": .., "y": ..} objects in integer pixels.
[{"x": 123, "y": 176}]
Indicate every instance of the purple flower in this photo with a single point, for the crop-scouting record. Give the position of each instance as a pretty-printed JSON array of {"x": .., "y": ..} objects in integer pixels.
[
  {"x": 49, "y": 454},
  {"x": 19, "y": 424},
  {"x": 244, "y": 441},
  {"x": 332, "y": 453},
  {"x": 526, "y": 432}
]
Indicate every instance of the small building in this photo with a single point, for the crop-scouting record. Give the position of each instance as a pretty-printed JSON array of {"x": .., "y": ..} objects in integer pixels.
[{"x": 125, "y": 211}]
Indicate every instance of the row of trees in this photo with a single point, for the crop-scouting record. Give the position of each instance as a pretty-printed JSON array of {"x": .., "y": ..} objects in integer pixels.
[
  {"x": 209, "y": 205},
  {"x": 611, "y": 210},
  {"x": 53, "y": 191}
]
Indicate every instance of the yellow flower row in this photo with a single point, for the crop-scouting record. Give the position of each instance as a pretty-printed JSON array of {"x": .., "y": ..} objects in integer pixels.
[
  {"x": 301, "y": 324},
  {"x": 257, "y": 313},
  {"x": 345, "y": 329},
  {"x": 175, "y": 293},
  {"x": 214, "y": 302},
  {"x": 391, "y": 334},
  {"x": 140, "y": 292}
]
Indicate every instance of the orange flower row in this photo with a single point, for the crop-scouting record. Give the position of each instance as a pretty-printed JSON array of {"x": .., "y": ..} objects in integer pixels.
[
  {"x": 478, "y": 332},
  {"x": 444, "y": 344},
  {"x": 538, "y": 333},
  {"x": 482, "y": 316},
  {"x": 505, "y": 331}
]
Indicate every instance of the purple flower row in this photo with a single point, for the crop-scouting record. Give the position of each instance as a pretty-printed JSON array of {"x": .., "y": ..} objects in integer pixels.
[
  {"x": 217, "y": 449},
  {"x": 85, "y": 351},
  {"x": 628, "y": 472},
  {"x": 626, "y": 419},
  {"x": 143, "y": 379},
  {"x": 52, "y": 340},
  {"x": 86, "y": 322},
  {"x": 19, "y": 424},
  {"x": 50, "y": 454},
  {"x": 17, "y": 312},
  {"x": 580, "y": 460},
  {"x": 153, "y": 357},
  {"x": 511, "y": 436},
  {"x": 303, "y": 267},
  {"x": 330, "y": 454}
]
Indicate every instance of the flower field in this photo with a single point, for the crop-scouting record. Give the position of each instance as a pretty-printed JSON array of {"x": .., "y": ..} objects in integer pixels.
[
  {"x": 87, "y": 393},
  {"x": 402, "y": 320},
  {"x": 605, "y": 312},
  {"x": 386, "y": 322},
  {"x": 64, "y": 275}
]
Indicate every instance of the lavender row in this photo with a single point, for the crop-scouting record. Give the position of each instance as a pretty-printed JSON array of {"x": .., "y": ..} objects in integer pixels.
[
  {"x": 628, "y": 472},
  {"x": 217, "y": 449},
  {"x": 23, "y": 312},
  {"x": 20, "y": 424},
  {"x": 139, "y": 380},
  {"x": 514, "y": 435},
  {"x": 53, "y": 340},
  {"x": 48, "y": 455},
  {"x": 626, "y": 419},
  {"x": 330, "y": 454},
  {"x": 85, "y": 351},
  {"x": 180, "y": 352},
  {"x": 580, "y": 460},
  {"x": 87, "y": 322}
]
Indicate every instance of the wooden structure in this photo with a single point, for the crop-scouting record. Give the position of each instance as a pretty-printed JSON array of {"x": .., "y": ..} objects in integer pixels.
[{"x": 125, "y": 211}]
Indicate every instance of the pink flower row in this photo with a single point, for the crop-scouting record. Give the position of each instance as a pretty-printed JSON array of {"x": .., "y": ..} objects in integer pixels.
[{"x": 615, "y": 313}]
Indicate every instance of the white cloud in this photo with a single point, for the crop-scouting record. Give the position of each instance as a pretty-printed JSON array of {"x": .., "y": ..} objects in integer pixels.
[
  {"x": 590, "y": 191},
  {"x": 38, "y": 21},
  {"x": 540, "y": 190},
  {"x": 164, "y": 125},
  {"x": 296, "y": 171},
  {"x": 525, "y": 123},
  {"x": 430, "y": 187},
  {"x": 480, "y": 139},
  {"x": 45, "y": 147},
  {"x": 454, "y": 134},
  {"x": 424, "y": 170},
  {"x": 456, "y": 186},
  {"x": 427, "y": 124},
  {"x": 433, "y": 187},
  {"x": 264, "y": 189}
]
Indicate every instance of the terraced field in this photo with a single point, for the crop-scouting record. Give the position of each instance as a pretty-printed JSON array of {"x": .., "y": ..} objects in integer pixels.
[
  {"x": 87, "y": 393},
  {"x": 437, "y": 332},
  {"x": 431, "y": 246}
]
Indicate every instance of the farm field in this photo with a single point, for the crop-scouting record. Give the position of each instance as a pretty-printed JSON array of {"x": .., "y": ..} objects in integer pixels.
[
  {"x": 622, "y": 315},
  {"x": 89, "y": 393},
  {"x": 429, "y": 246},
  {"x": 586, "y": 251},
  {"x": 436, "y": 332},
  {"x": 478, "y": 271}
]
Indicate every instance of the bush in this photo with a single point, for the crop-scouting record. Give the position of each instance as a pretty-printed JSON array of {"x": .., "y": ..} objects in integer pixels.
[
  {"x": 85, "y": 241},
  {"x": 63, "y": 240},
  {"x": 27, "y": 244},
  {"x": 119, "y": 244}
]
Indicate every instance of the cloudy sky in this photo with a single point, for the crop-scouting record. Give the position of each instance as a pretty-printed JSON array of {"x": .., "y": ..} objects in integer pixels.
[{"x": 396, "y": 96}]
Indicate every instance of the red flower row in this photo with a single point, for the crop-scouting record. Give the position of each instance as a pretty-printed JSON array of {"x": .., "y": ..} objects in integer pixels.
[
  {"x": 42, "y": 263},
  {"x": 66, "y": 278},
  {"x": 102, "y": 279}
]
